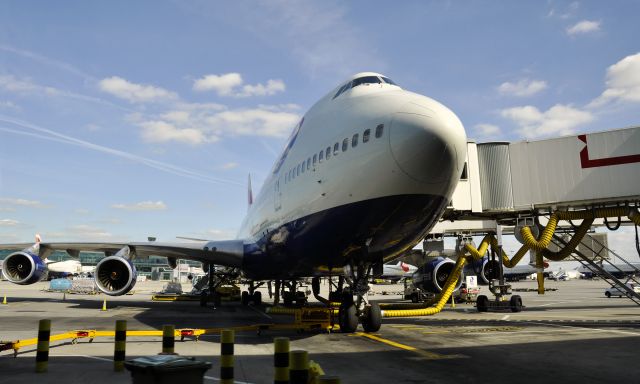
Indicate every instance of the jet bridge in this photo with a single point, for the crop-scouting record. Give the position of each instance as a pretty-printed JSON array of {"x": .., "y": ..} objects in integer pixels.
[{"x": 522, "y": 185}]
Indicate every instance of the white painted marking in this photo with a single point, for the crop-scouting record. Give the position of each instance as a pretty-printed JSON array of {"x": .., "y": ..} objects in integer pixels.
[
  {"x": 85, "y": 356},
  {"x": 218, "y": 379},
  {"x": 505, "y": 317},
  {"x": 627, "y": 333}
]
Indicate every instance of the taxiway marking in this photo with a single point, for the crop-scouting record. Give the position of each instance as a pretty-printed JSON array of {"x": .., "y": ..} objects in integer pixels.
[
  {"x": 423, "y": 353},
  {"x": 587, "y": 329}
]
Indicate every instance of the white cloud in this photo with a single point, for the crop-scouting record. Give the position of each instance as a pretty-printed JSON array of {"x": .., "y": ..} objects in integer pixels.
[
  {"x": 142, "y": 206},
  {"x": 523, "y": 87},
  {"x": 487, "y": 130},
  {"x": 557, "y": 120},
  {"x": 135, "y": 93},
  {"x": 207, "y": 123},
  {"x": 623, "y": 82},
  {"x": 222, "y": 84},
  {"x": 82, "y": 211},
  {"x": 160, "y": 132},
  {"x": 8, "y": 105},
  {"x": 582, "y": 27},
  {"x": 8, "y": 223},
  {"x": 22, "y": 202},
  {"x": 231, "y": 84}
]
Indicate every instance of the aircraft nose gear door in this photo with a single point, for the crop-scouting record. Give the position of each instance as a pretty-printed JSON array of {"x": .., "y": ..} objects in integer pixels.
[{"x": 277, "y": 196}]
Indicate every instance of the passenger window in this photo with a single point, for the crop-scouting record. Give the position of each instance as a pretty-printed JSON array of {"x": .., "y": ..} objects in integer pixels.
[
  {"x": 298, "y": 170},
  {"x": 336, "y": 147},
  {"x": 365, "y": 135},
  {"x": 302, "y": 167},
  {"x": 320, "y": 156},
  {"x": 354, "y": 140},
  {"x": 315, "y": 158},
  {"x": 345, "y": 144},
  {"x": 328, "y": 154},
  {"x": 379, "y": 130},
  {"x": 308, "y": 163}
]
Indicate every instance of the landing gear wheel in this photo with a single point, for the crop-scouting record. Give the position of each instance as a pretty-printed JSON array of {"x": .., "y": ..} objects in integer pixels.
[
  {"x": 347, "y": 318},
  {"x": 608, "y": 294},
  {"x": 482, "y": 303},
  {"x": 516, "y": 303},
  {"x": 257, "y": 298},
  {"x": 372, "y": 319},
  {"x": 244, "y": 298},
  {"x": 414, "y": 297}
]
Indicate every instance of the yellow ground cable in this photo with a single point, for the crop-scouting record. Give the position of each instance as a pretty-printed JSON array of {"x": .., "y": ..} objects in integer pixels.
[{"x": 449, "y": 287}]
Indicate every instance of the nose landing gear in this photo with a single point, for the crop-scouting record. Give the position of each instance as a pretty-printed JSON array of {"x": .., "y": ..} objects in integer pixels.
[{"x": 359, "y": 310}]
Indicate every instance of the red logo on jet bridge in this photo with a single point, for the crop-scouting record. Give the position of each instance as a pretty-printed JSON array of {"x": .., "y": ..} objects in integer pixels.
[{"x": 586, "y": 162}]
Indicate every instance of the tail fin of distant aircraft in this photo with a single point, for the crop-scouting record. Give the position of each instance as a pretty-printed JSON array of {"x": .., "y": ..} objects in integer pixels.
[{"x": 250, "y": 192}]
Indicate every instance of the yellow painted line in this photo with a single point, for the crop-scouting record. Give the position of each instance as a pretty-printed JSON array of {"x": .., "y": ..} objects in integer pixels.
[{"x": 425, "y": 354}]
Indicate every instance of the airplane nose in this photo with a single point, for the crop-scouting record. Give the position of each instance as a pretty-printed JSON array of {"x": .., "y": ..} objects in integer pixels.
[{"x": 427, "y": 144}]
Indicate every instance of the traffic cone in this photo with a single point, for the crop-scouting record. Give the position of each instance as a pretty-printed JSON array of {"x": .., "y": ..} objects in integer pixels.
[
  {"x": 4, "y": 301},
  {"x": 104, "y": 305}
]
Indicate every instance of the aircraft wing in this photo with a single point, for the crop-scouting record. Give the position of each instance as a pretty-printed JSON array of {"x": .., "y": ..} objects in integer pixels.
[{"x": 227, "y": 253}]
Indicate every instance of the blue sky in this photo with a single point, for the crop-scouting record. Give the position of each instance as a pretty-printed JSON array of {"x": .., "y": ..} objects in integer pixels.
[{"x": 120, "y": 120}]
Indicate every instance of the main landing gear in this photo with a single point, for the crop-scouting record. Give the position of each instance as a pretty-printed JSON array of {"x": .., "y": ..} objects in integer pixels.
[
  {"x": 356, "y": 310},
  {"x": 252, "y": 295},
  {"x": 216, "y": 279}
]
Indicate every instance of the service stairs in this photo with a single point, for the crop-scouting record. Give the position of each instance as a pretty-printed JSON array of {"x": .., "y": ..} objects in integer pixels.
[{"x": 595, "y": 265}]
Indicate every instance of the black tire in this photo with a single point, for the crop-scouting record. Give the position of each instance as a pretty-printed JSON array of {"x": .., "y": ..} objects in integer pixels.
[
  {"x": 204, "y": 297},
  {"x": 244, "y": 298},
  {"x": 286, "y": 299},
  {"x": 608, "y": 294},
  {"x": 372, "y": 321},
  {"x": 257, "y": 298},
  {"x": 516, "y": 303},
  {"x": 482, "y": 304},
  {"x": 414, "y": 297},
  {"x": 347, "y": 318},
  {"x": 334, "y": 297}
]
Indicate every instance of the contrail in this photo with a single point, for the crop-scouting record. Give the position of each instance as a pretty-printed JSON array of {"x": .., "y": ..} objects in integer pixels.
[{"x": 47, "y": 134}]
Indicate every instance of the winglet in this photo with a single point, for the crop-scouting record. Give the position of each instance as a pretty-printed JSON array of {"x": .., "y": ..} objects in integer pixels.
[{"x": 250, "y": 192}]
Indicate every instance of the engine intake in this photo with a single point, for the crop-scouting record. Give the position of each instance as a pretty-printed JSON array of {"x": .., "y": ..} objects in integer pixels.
[
  {"x": 23, "y": 268},
  {"x": 432, "y": 276},
  {"x": 485, "y": 268},
  {"x": 115, "y": 275}
]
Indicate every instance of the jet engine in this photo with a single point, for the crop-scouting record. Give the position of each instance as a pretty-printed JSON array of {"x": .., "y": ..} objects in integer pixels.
[
  {"x": 23, "y": 268},
  {"x": 115, "y": 275},
  {"x": 485, "y": 268},
  {"x": 432, "y": 276}
]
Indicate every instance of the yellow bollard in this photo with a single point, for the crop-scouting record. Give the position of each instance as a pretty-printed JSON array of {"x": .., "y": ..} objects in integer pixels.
[
  {"x": 168, "y": 339},
  {"x": 315, "y": 371},
  {"x": 42, "y": 355},
  {"x": 328, "y": 380},
  {"x": 120, "y": 345},
  {"x": 4, "y": 301},
  {"x": 227, "y": 337},
  {"x": 104, "y": 305},
  {"x": 281, "y": 360},
  {"x": 299, "y": 367}
]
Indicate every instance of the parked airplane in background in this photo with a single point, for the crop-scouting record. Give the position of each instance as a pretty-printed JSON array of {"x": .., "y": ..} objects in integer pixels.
[
  {"x": 395, "y": 272},
  {"x": 365, "y": 175},
  {"x": 66, "y": 268}
]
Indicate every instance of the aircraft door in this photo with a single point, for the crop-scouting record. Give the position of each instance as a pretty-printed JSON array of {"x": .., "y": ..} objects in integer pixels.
[{"x": 277, "y": 194}]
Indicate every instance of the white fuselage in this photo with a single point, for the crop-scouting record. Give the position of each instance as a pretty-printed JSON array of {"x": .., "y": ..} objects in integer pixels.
[{"x": 415, "y": 147}]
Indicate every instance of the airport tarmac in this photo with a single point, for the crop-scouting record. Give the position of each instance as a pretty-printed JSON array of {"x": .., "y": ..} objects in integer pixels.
[{"x": 573, "y": 334}]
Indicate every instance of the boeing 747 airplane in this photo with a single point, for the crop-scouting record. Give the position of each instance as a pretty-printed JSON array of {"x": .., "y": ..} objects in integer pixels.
[{"x": 364, "y": 176}]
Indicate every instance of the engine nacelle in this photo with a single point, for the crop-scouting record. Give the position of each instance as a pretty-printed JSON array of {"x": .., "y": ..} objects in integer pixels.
[
  {"x": 432, "y": 276},
  {"x": 485, "y": 268},
  {"x": 115, "y": 275},
  {"x": 23, "y": 268}
]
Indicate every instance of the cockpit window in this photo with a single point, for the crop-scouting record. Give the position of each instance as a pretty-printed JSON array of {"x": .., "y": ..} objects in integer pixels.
[
  {"x": 365, "y": 80},
  {"x": 342, "y": 89},
  {"x": 388, "y": 80}
]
